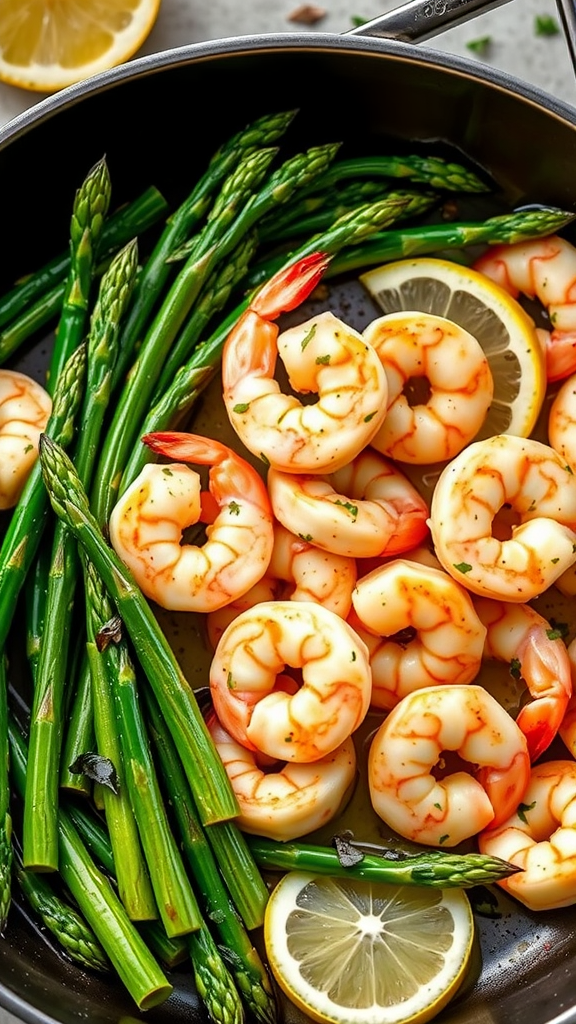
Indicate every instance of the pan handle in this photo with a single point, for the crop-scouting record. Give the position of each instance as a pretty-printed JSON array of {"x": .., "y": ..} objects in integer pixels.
[{"x": 420, "y": 19}]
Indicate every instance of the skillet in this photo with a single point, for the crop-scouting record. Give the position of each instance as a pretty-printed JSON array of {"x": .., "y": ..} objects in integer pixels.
[{"x": 158, "y": 120}]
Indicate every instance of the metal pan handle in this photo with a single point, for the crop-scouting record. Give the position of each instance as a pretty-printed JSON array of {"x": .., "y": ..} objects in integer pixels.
[{"x": 420, "y": 19}]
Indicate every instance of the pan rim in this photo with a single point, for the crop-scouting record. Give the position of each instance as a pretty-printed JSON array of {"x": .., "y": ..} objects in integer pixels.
[{"x": 163, "y": 60}]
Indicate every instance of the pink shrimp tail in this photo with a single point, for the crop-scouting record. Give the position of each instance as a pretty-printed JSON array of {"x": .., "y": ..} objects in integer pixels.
[
  {"x": 290, "y": 286},
  {"x": 546, "y": 669},
  {"x": 231, "y": 477},
  {"x": 505, "y": 787}
]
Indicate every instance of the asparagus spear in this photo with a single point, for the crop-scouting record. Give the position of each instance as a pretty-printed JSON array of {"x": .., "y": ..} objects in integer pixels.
[
  {"x": 205, "y": 256},
  {"x": 258, "y": 135},
  {"x": 79, "y": 736},
  {"x": 174, "y": 897},
  {"x": 91, "y": 204},
  {"x": 519, "y": 226},
  {"x": 437, "y": 868},
  {"x": 171, "y": 951},
  {"x": 245, "y": 963},
  {"x": 203, "y": 766},
  {"x": 61, "y": 919},
  {"x": 123, "y": 224},
  {"x": 40, "y": 831},
  {"x": 6, "y": 856},
  {"x": 214, "y": 983},
  {"x": 428, "y": 170},
  {"x": 30, "y": 515},
  {"x": 97, "y": 901}
]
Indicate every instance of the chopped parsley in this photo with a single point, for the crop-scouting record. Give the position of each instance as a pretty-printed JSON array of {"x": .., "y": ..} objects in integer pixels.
[
  {"x": 480, "y": 45},
  {"x": 546, "y": 25},
  {"x": 308, "y": 337}
]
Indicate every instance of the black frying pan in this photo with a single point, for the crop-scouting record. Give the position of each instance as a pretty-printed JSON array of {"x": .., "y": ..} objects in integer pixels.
[{"x": 158, "y": 119}]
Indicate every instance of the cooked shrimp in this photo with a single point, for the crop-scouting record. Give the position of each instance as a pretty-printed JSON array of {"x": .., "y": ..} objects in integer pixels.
[
  {"x": 409, "y": 744},
  {"x": 298, "y": 571},
  {"x": 545, "y": 269},
  {"x": 540, "y": 489},
  {"x": 419, "y": 348},
  {"x": 562, "y": 422},
  {"x": 147, "y": 524},
  {"x": 537, "y": 654},
  {"x": 420, "y": 628},
  {"x": 289, "y": 800},
  {"x": 540, "y": 838},
  {"x": 313, "y": 719},
  {"x": 365, "y": 509},
  {"x": 321, "y": 356},
  {"x": 24, "y": 411},
  {"x": 567, "y": 730}
]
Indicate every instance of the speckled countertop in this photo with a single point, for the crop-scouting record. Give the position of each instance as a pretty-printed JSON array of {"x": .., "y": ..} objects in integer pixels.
[{"x": 515, "y": 47}]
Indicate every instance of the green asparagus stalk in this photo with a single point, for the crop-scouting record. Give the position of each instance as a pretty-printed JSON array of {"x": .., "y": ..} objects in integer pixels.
[
  {"x": 30, "y": 515},
  {"x": 132, "y": 876},
  {"x": 436, "y": 868},
  {"x": 124, "y": 224},
  {"x": 97, "y": 901},
  {"x": 245, "y": 963},
  {"x": 322, "y": 220},
  {"x": 202, "y": 261},
  {"x": 89, "y": 211},
  {"x": 61, "y": 919},
  {"x": 212, "y": 299},
  {"x": 261, "y": 134},
  {"x": 79, "y": 736},
  {"x": 6, "y": 855},
  {"x": 174, "y": 897},
  {"x": 509, "y": 228},
  {"x": 203, "y": 766},
  {"x": 426, "y": 170},
  {"x": 214, "y": 982},
  {"x": 40, "y": 829},
  {"x": 351, "y": 195}
]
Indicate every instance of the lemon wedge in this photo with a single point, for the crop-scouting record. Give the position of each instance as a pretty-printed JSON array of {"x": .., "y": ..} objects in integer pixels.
[
  {"x": 500, "y": 324},
  {"x": 48, "y": 44},
  {"x": 355, "y": 952}
]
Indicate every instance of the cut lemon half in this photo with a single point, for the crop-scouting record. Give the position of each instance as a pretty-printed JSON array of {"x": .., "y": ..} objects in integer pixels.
[
  {"x": 503, "y": 328},
  {"x": 46, "y": 45},
  {"x": 355, "y": 952}
]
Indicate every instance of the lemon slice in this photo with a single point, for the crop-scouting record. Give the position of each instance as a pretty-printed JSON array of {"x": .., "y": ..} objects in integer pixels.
[
  {"x": 48, "y": 44},
  {"x": 505, "y": 331},
  {"x": 355, "y": 952}
]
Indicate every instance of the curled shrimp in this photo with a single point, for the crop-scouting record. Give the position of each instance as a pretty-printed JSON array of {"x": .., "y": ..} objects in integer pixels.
[
  {"x": 544, "y": 268},
  {"x": 285, "y": 801},
  {"x": 410, "y": 743},
  {"x": 420, "y": 628},
  {"x": 365, "y": 509},
  {"x": 298, "y": 571},
  {"x": 452, "y": 366},
  {"x": 322, "y": 356},
  {"x": 567, "y": 730},
  {"x": 266, "y": 711},
  {"x": 147, "y": 524},
  {"x": 24, "y": 411},
  {"x": 540, "y": 838},
  {"x": 562, "y": 421},
  {"x": 537, "y": 654},
  {"x": 540, "y": 491}
]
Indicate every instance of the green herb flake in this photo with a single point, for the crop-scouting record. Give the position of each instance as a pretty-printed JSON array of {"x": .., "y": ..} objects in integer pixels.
[
  {"x": 555, "y": 634},
  {"x": 306, "y": 536},
  {"x": 352, "y": 509},
  {"x": 265, "y": 459},
  {"x": 322, "y": 360},
  {"x": 357, "y": 20},
  {"x": 241, "y": 407},
  {"x": 308, "y": 337},
  {"x": 167, "y": 471},
  {"x": 234, "y": 508},
  {"x": 443, "y": 839},
  {"x": 369, "y": 417},
  {"x": 463, "y": 567},
  {"x": 523, "y": 809},
  {"x": 480, "y": 46},
  {"x": 353, "y": 658},
  {"x": 546, "y": 25},
  {"x": 515, "y": 669},
  {"x": 28, "y": 448},
  {"x": 230, "y": 682}
]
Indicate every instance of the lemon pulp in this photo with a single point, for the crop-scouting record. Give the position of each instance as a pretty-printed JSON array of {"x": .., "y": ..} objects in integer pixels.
[{"x": 355, "y": 952}]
